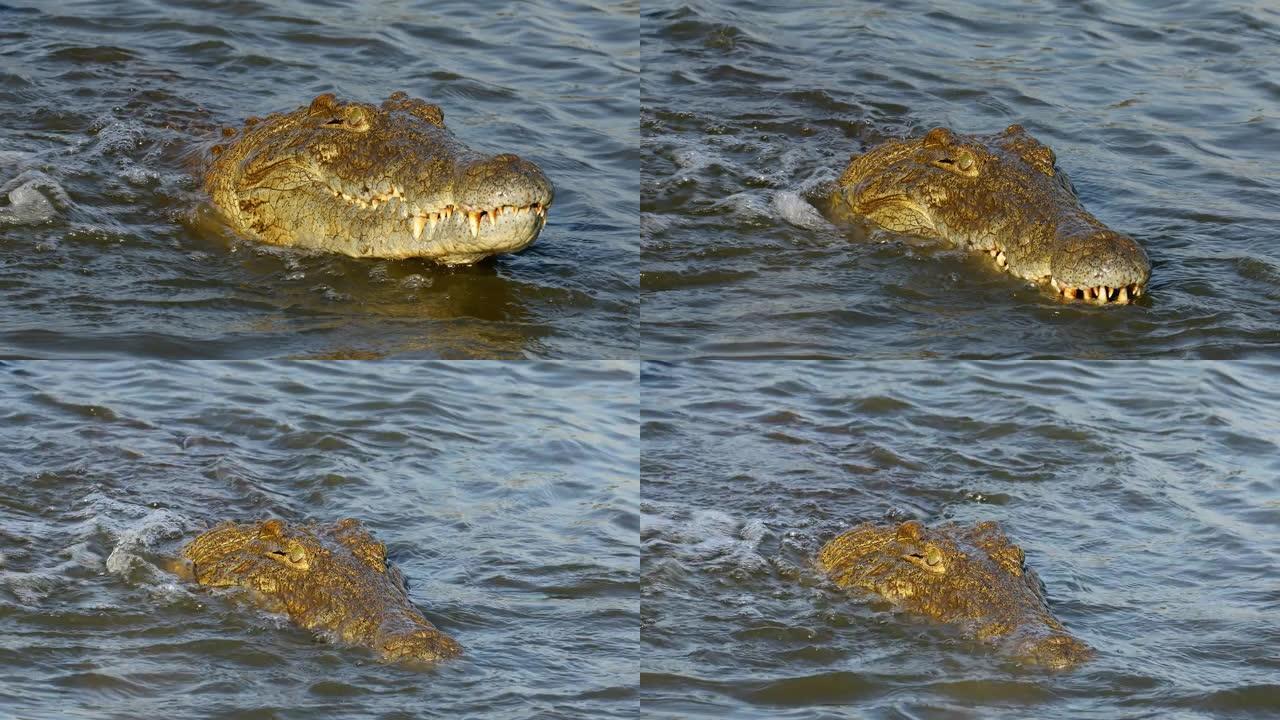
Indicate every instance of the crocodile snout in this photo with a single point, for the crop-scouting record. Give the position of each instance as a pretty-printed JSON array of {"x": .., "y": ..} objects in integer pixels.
[
  {"x": 426, "y": 644},
  {"x": 1100, "y": 266},
  {"x": 503, "y": 180},
  {"x": 1056, "y": 651}
]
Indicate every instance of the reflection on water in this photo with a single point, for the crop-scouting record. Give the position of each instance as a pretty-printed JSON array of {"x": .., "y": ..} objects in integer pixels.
[
  {"x": 1144, "y": 496},
  {"x": 114, "y": 102},
  {"x": 507, "y": 493},
  {"x": 1159, "y": 115}
]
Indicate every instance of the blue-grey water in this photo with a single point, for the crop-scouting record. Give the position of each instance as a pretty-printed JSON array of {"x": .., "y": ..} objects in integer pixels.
[
  {"x": 507, "y": 493},
  {"x": 1145, "y": 494},
  {"x": 1164, "y": 114},
  {"x": 102, "y": 102}
]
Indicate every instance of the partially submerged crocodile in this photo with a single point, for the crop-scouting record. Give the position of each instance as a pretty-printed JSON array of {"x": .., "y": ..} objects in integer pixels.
[
  {"x": 1000, "y": 194},
  {"x": 972, "y": 575},
  {"x": 334, "y": 579},
  {"x": 385, "y": 181}
]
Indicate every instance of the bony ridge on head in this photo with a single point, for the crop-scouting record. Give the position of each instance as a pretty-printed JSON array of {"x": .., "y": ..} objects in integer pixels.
[
  {"x": 323, "y": 103},
  {"x": 939, "y": 137},
  {"x": 911, "y": 530}
]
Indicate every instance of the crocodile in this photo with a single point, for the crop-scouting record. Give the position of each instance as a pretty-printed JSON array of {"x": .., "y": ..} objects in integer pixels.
[
  {"x": 330, "y": 578},
  {"x": 385, "y": 181},
  {"x": 970, "y": 575},
  {"x": 1001, "y": 194}
]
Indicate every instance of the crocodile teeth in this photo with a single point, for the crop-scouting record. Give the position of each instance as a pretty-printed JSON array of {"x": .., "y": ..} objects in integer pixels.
[
  {"x": 423, "y": 219},
  {"x": 1100, "y": 295}
]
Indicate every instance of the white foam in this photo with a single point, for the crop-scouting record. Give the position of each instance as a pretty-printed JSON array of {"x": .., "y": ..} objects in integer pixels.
[
  {"x": 712, "y": 538},
  {"x": 121, "y": 136},
  {"x": 695, "y": 158},
  {"x": 33, "y": 198},
  {"x": 750, "y": 205},
  {"x": 141, "y": 534},
  {"x": 793, "y": 208},
  {"x": 136, "y": 528}
]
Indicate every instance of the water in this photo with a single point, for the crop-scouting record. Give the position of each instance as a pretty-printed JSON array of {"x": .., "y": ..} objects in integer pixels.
[
  {"x": 627, "y": 537},
  {"x": 507, "y": 493},
  {"x": 1144, "y": 494},
  {"x": 102, "y": 103},
  {"x": 1163, "y": 114}
]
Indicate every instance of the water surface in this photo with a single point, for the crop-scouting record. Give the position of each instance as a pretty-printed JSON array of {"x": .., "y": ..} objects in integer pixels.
[
  {"x": 1163, "y": 114},
  {"x": 101, "y": 103},
  {"x": 507, "y": 493},
  {"x": 1144, "y": 494}
]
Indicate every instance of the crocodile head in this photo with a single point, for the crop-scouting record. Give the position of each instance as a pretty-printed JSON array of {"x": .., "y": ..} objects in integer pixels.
[
  {"x": 334, "y": 579},
  {"x": 1000, "y": 194},
  {"x": 385, "y": 181},
  {"x": 974, "y": 576}
]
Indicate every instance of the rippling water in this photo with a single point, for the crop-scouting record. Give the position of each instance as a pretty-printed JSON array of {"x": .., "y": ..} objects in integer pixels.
[
  {"x": 1144, "y": 494},
  {"x": 507, "y": 493},
  {"x": 1163, "y": 114},
  {"x": 101, "y": 103}
]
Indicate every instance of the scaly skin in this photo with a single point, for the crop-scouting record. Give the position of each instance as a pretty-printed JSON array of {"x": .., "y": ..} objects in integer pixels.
[
  {"x": 956, "y": 574},
  {"x": 1003, "y": 195},
  {"x": 329, "y": 578},
  {"x": 370, "y": 181}
]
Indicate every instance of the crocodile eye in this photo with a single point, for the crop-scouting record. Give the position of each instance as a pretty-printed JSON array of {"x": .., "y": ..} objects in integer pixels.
[
  {"x": 965, "y": 164},
  {"x": 930, "y": 559},
  {"x": 294, "y": 556},
  {"x": 933, "y": 557},
  {"x": 961, "y": 162},
  {"x": 354, "y": 118}
]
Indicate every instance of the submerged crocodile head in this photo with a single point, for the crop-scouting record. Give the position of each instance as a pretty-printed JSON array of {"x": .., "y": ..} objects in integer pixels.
[
  {"x": 973, "y": 576},
  {"x": 1001, "y": 194},
  {"x": 385, "y": 181},
  {"x": 333, "y": 579}
]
